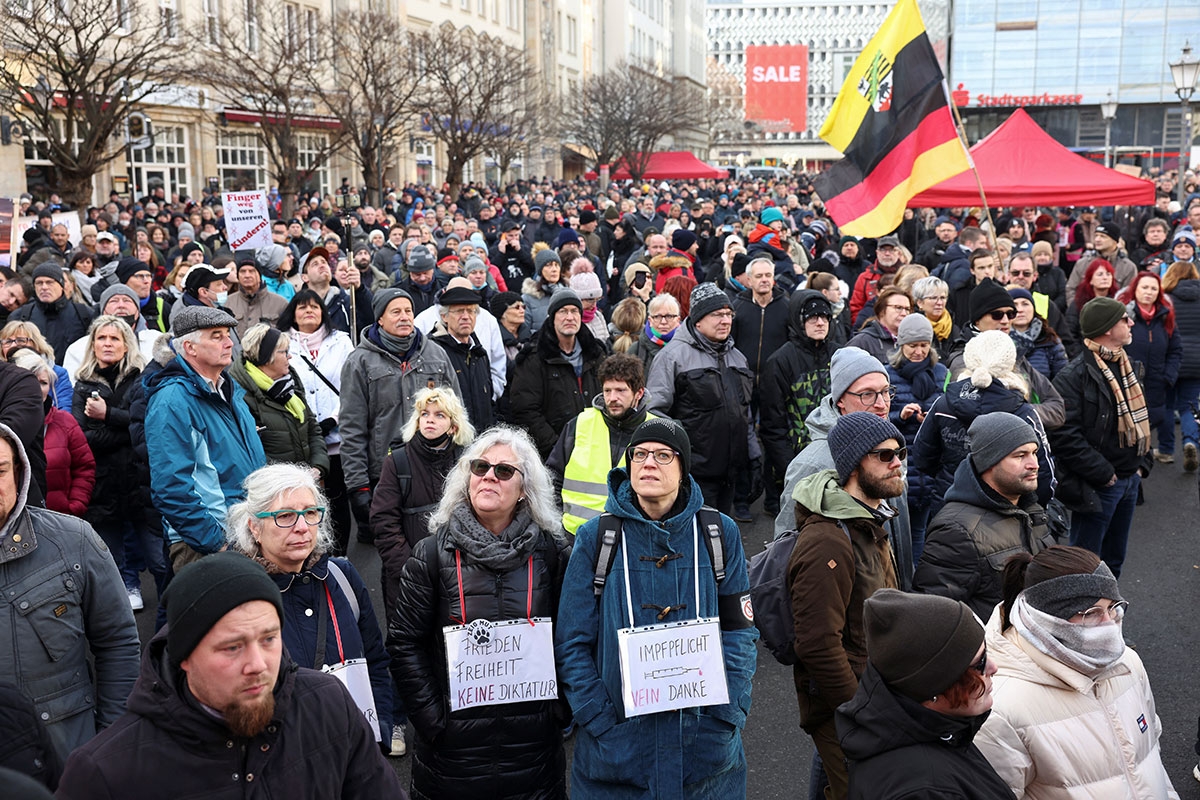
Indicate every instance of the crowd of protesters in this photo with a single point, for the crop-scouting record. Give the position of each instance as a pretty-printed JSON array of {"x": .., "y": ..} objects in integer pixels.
[{"x": 549, "y": 405}]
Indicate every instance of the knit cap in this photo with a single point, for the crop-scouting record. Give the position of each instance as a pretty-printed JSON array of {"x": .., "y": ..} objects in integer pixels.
[
  {"x": 853, "y": 436},
  {"x": 682, "y": 239},
  {"x": 848, "y": 365},
  {"x": 989, "y": 356},
  {"x": 561, "y": 298},
  {"x": 914, "y": 328},
  {"x": 586, "y": 285},
  {"x": 116, "y": 289},
  {"x": 1099, "y": 315},
  {"x": 501, "y": 302},
  {"x": 987, "y": 297},
  {"x": 420, "y": 259},
  {"x": 207, "y": 590},
  {"x": 1067, "y": 595},
  {"x": 664, "y": 430},
  {"x": 993, "y": 436},
  {"x": 920, "y": 644},
  {"x": 49, "y": 270},
  {"x": 1017, "y": 292},
  {"x": 705, "y": 299},
  {"x": 384, "y": 298},
  {"x": 129, "y": 266},
  {"x": 770, "y": 215},
  {"x": 543, "y": 258}
]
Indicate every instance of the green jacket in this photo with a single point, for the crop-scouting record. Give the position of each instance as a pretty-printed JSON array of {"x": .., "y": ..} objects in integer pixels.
[{"x": 284, "y": 438}]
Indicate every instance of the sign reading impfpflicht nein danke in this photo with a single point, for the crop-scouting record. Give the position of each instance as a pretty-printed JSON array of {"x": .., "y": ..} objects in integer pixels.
[{"x": 671, "y": 667}]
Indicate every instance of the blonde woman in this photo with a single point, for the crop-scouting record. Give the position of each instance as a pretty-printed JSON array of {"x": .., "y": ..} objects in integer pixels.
[{"x": 16, "y": 336}]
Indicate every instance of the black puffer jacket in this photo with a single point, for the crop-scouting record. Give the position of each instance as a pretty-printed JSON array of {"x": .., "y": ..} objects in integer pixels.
[
  {"x": 900, "y": 750},
  {"x": 545, "y": 393},
  {"x": 116, "y": 469},
  {"x": 317, "y": 744},
  {"x": 512, "y": 750},
  {"x": 792, "y": 384},
  {"x": 971, "y": 539},
  {"x": 1186, "y": 298},
  {"x": 285, "y": 439}
]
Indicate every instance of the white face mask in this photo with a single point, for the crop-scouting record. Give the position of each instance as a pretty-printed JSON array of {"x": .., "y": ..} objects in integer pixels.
[{"x": 222, "y": 297}]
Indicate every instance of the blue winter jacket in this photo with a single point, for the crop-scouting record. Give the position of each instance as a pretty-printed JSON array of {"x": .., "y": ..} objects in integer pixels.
[
  {"x": 920, "y": 483},
  {"x": 695, "y": 753},
  {"x": 201, "y": 448},
  {"x": 361, "y": 638},
  {"x": 1160, "y": 354}
]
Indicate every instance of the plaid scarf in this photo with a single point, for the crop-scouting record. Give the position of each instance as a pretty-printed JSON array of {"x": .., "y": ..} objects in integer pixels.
[{"x": 1133, "y": 421}]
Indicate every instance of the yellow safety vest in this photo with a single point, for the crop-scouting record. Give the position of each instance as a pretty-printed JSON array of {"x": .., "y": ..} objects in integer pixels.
[
  {"x": 585, "y": 478},
  {"x": 1041, "y": 303}
]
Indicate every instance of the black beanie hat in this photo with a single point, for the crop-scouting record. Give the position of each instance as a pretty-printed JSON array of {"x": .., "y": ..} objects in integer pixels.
[
  {"x": 669, "y": 432},
  {"x": 501, "y": 302},
  {"x": 129, "y": 266},
  {"x": 920, "y": 644},
  {"x": 561, "y": 298},
  {"x": 987, "y": 297},
  {"x": 207, "y": 590}
]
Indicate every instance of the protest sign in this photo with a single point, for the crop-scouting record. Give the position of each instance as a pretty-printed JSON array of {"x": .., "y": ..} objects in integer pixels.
[
  {"x": 247, "y": 225},
  {"x": 500, "y": 662},
  {"x": 672, "y": 666}
]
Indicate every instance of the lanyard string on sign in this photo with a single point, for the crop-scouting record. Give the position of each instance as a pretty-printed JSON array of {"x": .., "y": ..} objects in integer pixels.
[
  {"x": 462, "y": 600},
  {"x": 695, "y": 571}
]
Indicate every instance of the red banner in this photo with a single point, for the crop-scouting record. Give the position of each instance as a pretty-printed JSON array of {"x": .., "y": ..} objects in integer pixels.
[{"x": 777, "y": 86}]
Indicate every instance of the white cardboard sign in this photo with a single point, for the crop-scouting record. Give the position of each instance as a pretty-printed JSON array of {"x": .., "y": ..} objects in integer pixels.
[
  {"x": 672, "y": 666},
  {"x": 247, "y": 224},
  {"x": 356, "y": 677},
  {"x": 491, "y": 663}
]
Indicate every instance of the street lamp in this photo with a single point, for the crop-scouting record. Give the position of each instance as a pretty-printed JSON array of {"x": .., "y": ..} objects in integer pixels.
[
  {"x": 1108, "y": 110},
  {"x": 1184, "y": 73}
]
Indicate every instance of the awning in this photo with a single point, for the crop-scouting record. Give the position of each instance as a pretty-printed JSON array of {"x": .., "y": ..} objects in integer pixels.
[
  {"x": 299, "y": 120},
  {"x": 669, "y": 166}
]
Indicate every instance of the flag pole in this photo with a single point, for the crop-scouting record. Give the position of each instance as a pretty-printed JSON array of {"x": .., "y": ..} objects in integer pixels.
[{"x": 962, "y": 137}]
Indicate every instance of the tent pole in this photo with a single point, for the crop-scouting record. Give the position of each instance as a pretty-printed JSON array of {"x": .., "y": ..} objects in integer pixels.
[{"x": 962, "y": 136}]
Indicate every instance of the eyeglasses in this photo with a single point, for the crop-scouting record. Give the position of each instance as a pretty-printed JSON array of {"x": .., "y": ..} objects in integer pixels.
[
  {"x": 502, "y": 471},
  {"x": 722, "y": 314},
  {"x": 1097, "y": 614},
  {"x": 661, "y": 457},
  {"x": 287, "y": 517},
  {"x": 889, "y": 454},
  {"x": 905, "y": 309},
  {"x": 869, "y": 397},
  {"x": 999, "y": 315},
  {"x": 1021, "y": 273},
  {"x": 18, "y": 340},
  {"x": 936, "y": 298},
  {"x": 663, "y": 317},
  {"x": 980, "y": 666}
]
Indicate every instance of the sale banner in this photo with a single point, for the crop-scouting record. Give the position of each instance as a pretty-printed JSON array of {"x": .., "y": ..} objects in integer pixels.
[{"x": 777, "y": 86}]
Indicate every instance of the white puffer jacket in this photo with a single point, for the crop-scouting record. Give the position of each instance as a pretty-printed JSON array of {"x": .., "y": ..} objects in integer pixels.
[{"x": 1055, "y": 734}]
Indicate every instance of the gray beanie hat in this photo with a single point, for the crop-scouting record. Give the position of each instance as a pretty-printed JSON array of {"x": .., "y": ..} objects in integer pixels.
[
  {"x": 52, "y": 270},
  {"x": 920, "y": 644},
  {"x": 116, "y": 289},
  {"x": 848, "y": 365},
  {"x": 914, "y": 328},
  {"x": 1067, "y": 595},
  {"x": 853, "y": 436},
  {"x": 270, "y": 258},
  {"x": 993, "y": 436},
  {"x": 420, "y": 259},
  {"x": 543, "y": 258},
  {"x": 563, "y": 297},
  {"x": 382, "y": 299},
  {"x": 706, "y": 298},
  {"x": 185, "y": 229}
]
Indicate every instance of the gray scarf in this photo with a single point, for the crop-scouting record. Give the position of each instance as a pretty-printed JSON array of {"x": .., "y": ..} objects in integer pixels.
[
  {"x": 502, "y": 553},
  {"x": 575, "y": 357},
  {"x": 1087, "y": 650},
  {"x": 396, "y": 345}
]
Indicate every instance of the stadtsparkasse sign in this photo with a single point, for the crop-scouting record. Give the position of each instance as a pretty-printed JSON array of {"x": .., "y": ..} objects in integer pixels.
[
  {"x": 963, "y": 98},
  {"x": 777, "y": 86}
]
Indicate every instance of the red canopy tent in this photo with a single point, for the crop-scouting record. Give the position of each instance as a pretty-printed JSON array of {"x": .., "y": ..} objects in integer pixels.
[
  {"x": 668, "y": 166},
  {"x": 1020, "y": 164}
]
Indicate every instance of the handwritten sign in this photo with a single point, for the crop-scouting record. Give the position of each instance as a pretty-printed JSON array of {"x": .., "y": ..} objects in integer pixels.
[
  {"x": 21, "y": 224},
  {"x": 356, "y": 677},
  {"x": 671, "y": 667},
  {"x": 246, "y": 221},
  {"x": 491, "y": 663}
]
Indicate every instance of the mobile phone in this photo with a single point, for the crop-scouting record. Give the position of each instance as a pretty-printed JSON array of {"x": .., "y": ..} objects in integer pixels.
[
  {"x": 639, "y": 280},
  {"x": 95, "y": 395},
  {"x": 728, "y": 229}
]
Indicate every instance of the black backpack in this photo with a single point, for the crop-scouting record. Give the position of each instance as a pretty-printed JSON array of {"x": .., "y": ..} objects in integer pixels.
[
  {"x": 609, "y": 537},
  {"x": 771, "y": 598}
]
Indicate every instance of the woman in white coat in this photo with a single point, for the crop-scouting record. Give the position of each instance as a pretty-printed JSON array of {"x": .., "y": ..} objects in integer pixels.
[{"x": 1072, "y": 716}]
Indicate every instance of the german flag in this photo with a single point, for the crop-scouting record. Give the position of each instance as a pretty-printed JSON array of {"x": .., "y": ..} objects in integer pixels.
[{"x": 892, "y": 121}]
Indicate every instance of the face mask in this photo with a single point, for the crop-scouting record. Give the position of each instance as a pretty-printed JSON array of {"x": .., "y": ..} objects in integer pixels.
[
  {"x": 222, "y": 297},
  {"x": 130, "y": 319}
]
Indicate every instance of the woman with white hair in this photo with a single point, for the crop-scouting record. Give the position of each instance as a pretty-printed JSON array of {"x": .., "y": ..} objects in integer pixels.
[
  {"x": 328, "y": 620},
  {"x": 989, "y": 383},
  {"x": 662, "y": 320},
  {"x": 112, "y": 365},
  {"x": 485, "y": 581}
]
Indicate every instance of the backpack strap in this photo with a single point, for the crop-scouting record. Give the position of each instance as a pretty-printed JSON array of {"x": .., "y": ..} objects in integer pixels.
[
  {"x": 610, "y": 540},
  {"x": 710, "y": 531},
  {"x": 403, "y": 470},
  {"x": 336, "y": 573}
]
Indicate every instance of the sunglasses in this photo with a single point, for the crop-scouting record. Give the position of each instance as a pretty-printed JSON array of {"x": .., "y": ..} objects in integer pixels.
[
  {"x": 980, "y": 666},
  {"x": 887, "y": 454},
  {"x": 999, "y": 315},
  {"x": 502, "y": 471}
]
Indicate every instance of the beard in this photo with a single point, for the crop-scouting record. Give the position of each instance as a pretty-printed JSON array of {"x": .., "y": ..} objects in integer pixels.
[
  {"x": 247, "y": 720},
  {"x": 881, "y": 488}
]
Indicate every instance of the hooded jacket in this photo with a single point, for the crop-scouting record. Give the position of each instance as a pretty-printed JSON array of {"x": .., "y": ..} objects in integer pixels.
[
  {"x": 954, "y": 267},
  {"x": 202, "y": 445},
  {"x": 694, "y": 753},
  {"x": 65, "y": 602},
  {"x": 706, "y": 386},
  {"x": 317, "y": 744},
  {"x": 973, "y": 537},
  {"x": 1186, "y": 300},
  {"x": 942, "y": 443},
  {"x": 792, "y": 383},
  {"x": 759, "y": 331},
  {"x": 545, "y": 393},
  {"x": 1042, "y": 392},
  {"x": 831, "y": 573},
  {"x": 377, "y": 397},
  {"x": 1056, "y": 734},
  {"x": 899, "y": 750},
  {"x": 816, "y": 457}
]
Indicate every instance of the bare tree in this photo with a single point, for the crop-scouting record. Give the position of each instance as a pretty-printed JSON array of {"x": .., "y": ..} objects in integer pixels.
[
  {"x": 599, "y": 114},
  {"x": 726, "y": 98},
  {"x": 474, "y": 93},
  {"x": 530, "y": 126},
  {"x": 72, "y": 73},
  {"x": 658, "y": 108},
  {"x": 374, "y": 99},
  {"x": 268, "y": 64}
]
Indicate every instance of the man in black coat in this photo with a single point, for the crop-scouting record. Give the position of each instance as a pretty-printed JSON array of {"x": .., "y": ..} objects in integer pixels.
[
  {"x": 220, "y": 709},
  {"x": 458, "y": 308},
  {"x": 60, "y": 320}
]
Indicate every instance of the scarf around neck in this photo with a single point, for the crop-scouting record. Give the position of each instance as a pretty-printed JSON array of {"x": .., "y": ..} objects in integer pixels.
[
  {"x": 309, "y": 341},
  {"x": 1133, "y": 420},
  {"x": 1089, "y": 650},
  {"x": 1025, "y": 341},
  {"x": 659, "y": 339},
  {"x": 282, "y": 391},
  {"x": 502, "y": 553},
  {"x": 943, "y": 326}
]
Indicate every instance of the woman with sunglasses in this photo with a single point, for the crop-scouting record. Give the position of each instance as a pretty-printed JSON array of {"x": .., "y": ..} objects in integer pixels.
[
  {"x": 1100, "y": 280},
  {"x": 909, "y": 730},
  {"x": 484, "y": 585},
  {"x": 989, "y": 383},
  {"x": 1073, "y": 715},
  {"x": 328, "y": 620}
]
